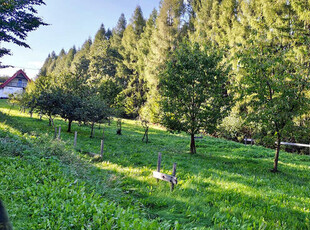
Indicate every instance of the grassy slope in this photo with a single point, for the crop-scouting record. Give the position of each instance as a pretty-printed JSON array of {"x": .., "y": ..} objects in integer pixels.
[{"x": 226, "y": 185}]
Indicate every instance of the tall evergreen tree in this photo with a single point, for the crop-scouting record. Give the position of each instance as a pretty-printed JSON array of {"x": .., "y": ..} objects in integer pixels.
[
  {"x": 118, "y": 31},
  {"x": 43, "y": 70},
  {"x": 81, "y": 61},
  {"x": 60, "y": 62},
  {"x": 164, "y": 40},
  {"x": 97, "y": 55},
  {"x": 143, "y": 62},
  {"x": 69, "y": 58},
  {"x": 52, "y": 63},
  {"x": 132, "y": 97}
]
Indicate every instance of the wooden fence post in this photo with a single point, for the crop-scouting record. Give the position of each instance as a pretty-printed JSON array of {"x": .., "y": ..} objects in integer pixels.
[
  {"x": 59, "y": 132},
  {"x": 101, "y": 149},
  {"x": 75, "y": 139},
  {"x": 55, "y": 134},
  {"x": 173, "y": 174},
  {"x": 158, "y": 164}
]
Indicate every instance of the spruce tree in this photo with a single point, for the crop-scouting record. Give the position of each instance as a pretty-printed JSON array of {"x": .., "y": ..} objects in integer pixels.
[
  {"x": 81, "y": 61},
  {"x": 164, "y": 40},
  {"x": 69, "y": 58},
  {"x": 143, "y": 49},
  {"x": 60, "y": 62},
  {"x": 132, "y": 97}
]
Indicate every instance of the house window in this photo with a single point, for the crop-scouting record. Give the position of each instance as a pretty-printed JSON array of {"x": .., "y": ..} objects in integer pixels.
[{"x": 20, "y": 83}]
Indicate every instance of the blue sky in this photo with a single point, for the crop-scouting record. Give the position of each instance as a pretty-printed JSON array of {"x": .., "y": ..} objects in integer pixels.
[{"x": 71, "y": 23}]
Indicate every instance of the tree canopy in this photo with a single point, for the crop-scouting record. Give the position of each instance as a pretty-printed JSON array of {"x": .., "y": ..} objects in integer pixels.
[
  {"x": 18, "y": 18},
  {"x": 194, "y": 90}
]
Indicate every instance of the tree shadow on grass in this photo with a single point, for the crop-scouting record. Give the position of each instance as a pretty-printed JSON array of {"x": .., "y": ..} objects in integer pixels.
[{"x": 184, "y": 204}]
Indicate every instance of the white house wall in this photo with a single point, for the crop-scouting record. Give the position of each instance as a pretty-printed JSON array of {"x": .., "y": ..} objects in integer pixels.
[{"x": 4, "y": 93}]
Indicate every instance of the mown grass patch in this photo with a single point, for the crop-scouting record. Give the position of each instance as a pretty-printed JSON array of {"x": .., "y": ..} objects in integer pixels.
[{"x": 226, "y": 185}]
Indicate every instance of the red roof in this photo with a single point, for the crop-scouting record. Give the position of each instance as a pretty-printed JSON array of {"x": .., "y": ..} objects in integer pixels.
[{"x": 14, "y": 76}]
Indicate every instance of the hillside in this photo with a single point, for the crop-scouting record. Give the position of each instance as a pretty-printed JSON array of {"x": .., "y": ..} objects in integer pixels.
[{"x": 47, "y": 184}]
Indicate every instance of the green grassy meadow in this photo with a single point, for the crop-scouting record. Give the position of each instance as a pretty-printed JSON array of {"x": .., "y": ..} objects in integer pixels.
[{"x": 47, "y": 184}]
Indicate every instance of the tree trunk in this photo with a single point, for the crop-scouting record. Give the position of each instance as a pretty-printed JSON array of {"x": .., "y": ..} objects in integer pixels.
[
  {"x": 92, "y": 130},
  {"x": 50, "y": 121},
  {"x": 276, "y": 159},
  {"x": 193, "y": 146},
  {"x": 69, "y": 126}
]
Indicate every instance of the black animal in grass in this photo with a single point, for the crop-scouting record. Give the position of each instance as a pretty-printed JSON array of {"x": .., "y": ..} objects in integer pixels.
[{"x": 5, "y": 223}]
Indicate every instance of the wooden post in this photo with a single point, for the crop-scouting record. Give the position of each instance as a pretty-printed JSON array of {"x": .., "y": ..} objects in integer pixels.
[
  {"x": 173, "y": 174},
  {"x": 55, "y": 134},
  {"x": 101, "y": 149},
  {"x": 75, "y": 138},
  {"x": 146, "y": 135},
  {"x": 158, "y": 164},
  {"x": 59, "y": 132},
  {"x": 245, "y": 140}
]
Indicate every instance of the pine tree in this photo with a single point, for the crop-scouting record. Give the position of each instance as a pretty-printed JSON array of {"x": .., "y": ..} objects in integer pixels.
[
  {"x": 143, "y": 57},
  {"x": 69, "y": 58},
  {"x": 132, "y": 97},
  {"x": 116, "y": 44},
  {"x": 118, "y": 31},
  {"x": 52, "y": 63},
  {"x": 164, "y": 40},
  {"x": 97, "y": 55},
  {"x": 81, "y": 61},
  {"x": 43, "y": 70},
  {"x": 60, "y": 62}
]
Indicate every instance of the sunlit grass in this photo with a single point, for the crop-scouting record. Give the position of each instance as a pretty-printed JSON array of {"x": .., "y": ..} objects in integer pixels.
[{"x": 225, "y": 186}]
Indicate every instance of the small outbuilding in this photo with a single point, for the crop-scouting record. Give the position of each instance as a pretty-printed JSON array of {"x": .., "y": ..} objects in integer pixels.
[{"x": 15, "y": 84}]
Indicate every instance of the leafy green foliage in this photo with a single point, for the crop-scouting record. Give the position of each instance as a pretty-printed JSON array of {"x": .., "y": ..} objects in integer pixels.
[
  {"x": 226, "y": 186},
  {"x": 122, "y": 66},
  {"x": 194, "y": 91},
  {"x": 18, "y": 18}
]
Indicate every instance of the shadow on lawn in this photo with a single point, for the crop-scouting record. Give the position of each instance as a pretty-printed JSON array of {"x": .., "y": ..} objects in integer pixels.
[{"x": 157, "y": 201}]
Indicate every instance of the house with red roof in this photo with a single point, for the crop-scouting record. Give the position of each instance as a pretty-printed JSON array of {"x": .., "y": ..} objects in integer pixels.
[{"x": 15, "y": 84}]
